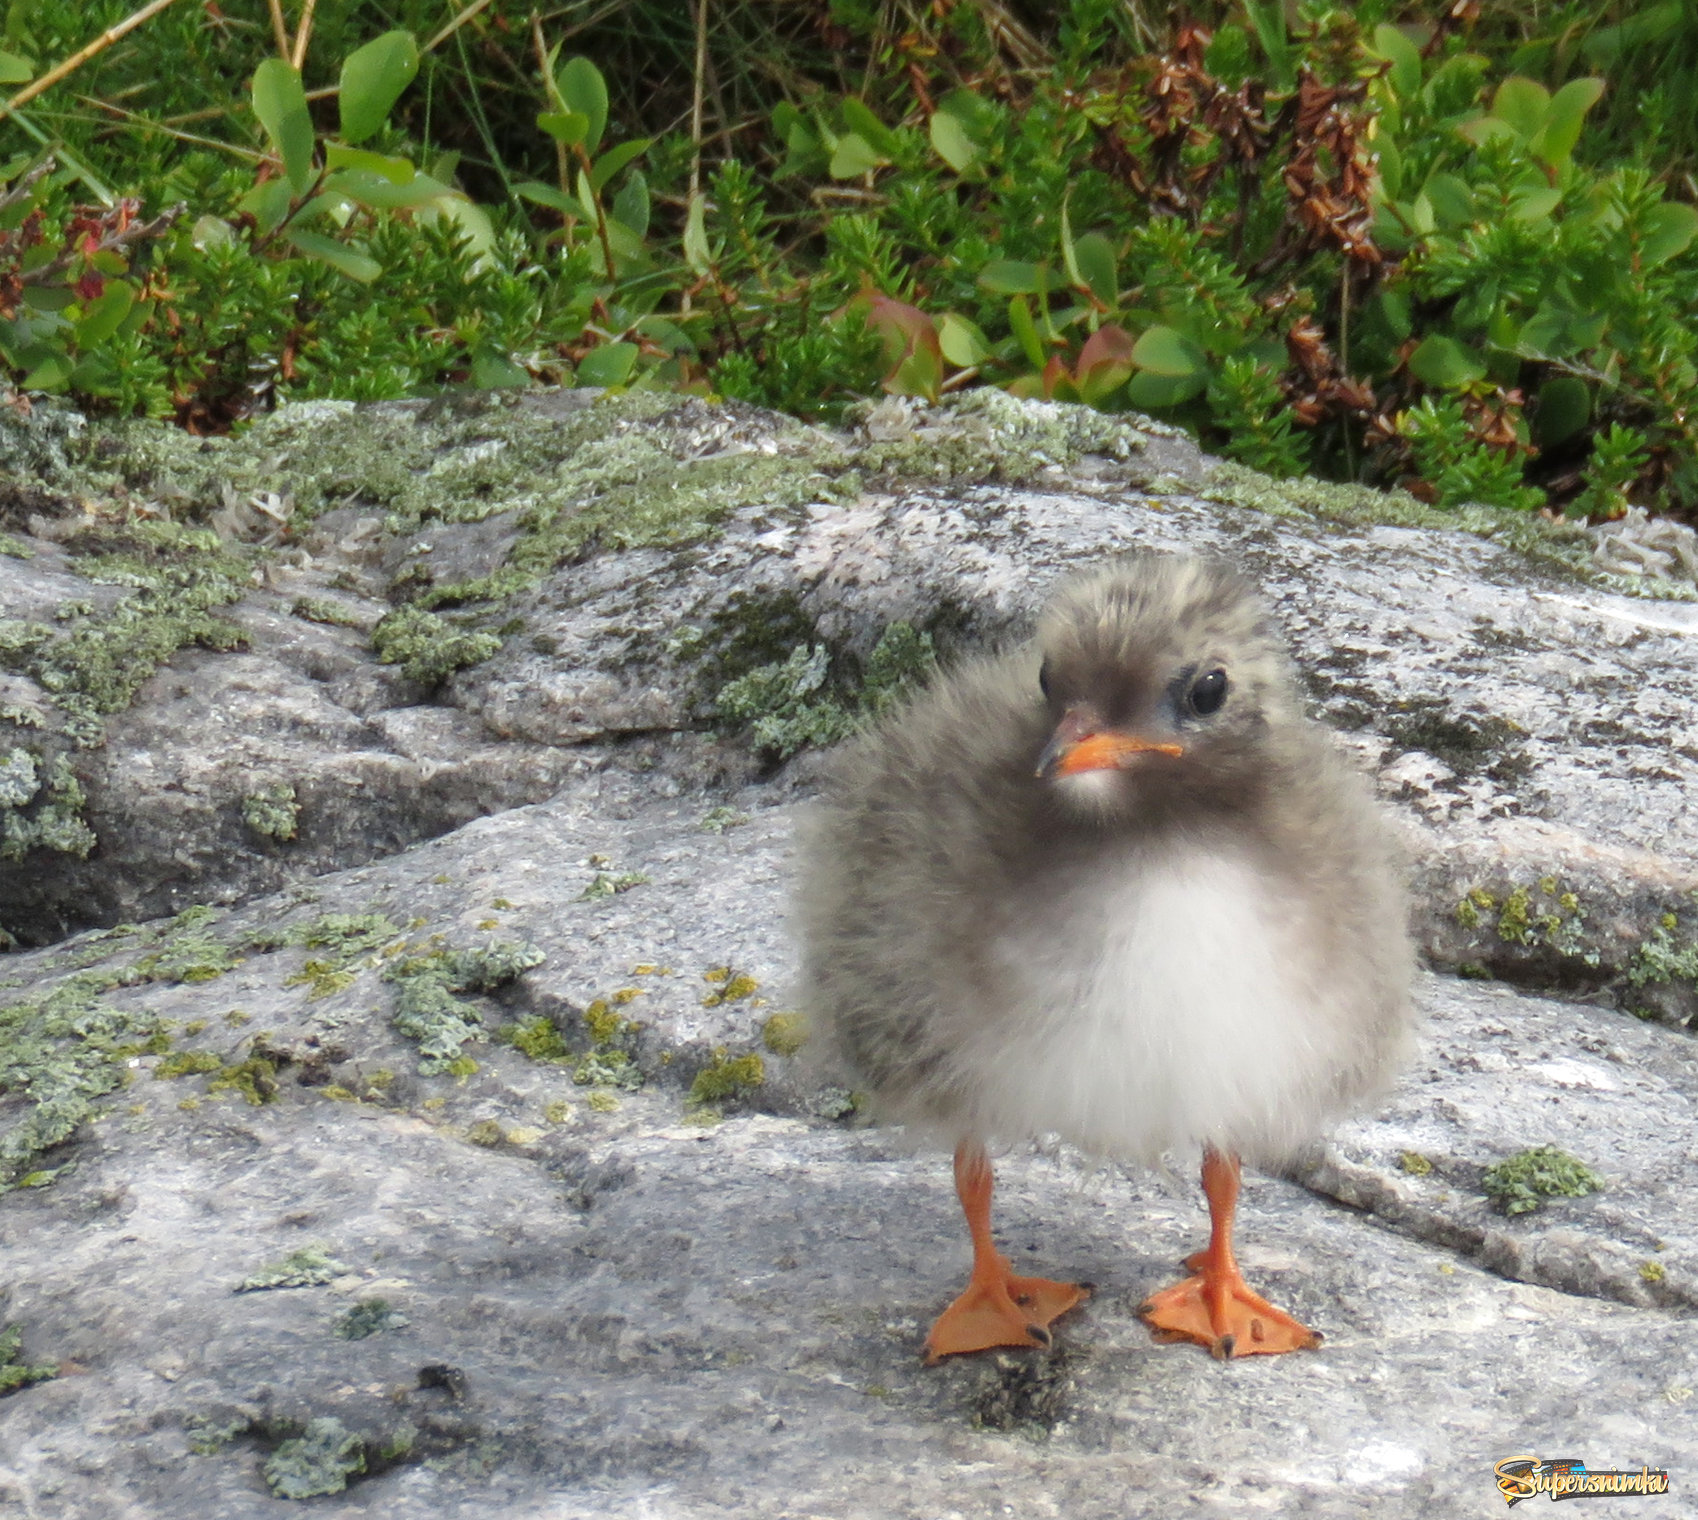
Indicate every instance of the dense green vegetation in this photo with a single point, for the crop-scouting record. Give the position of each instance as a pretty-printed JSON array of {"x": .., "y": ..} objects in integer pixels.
[{"x": 1451, "y": 245}]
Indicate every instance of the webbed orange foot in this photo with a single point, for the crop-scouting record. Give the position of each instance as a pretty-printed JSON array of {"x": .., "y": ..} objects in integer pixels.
[
  {"x": 1223, "y": 1315},
  {"x": 997, "y": 1308},
  {"x": 1001, "y": 1310},
  {"x": 1215, "y": 1307}
]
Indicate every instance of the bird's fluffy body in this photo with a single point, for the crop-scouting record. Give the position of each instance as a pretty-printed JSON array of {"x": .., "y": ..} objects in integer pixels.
[{"x": 1205, "y": 949}]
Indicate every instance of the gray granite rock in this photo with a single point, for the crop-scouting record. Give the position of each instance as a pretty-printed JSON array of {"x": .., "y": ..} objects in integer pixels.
[
  {"x": 646, "y": 1311},
  {"x": 593, "y": 1234}
]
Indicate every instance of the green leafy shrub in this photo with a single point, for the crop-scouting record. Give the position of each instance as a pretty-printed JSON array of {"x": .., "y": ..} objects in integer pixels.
[{"x": 1365, "y": 240}]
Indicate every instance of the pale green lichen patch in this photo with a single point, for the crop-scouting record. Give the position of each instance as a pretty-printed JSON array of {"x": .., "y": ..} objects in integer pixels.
[
  {"x": 1557, "y": 545},
  {"x": 41, "y": 805},
  {"x": 788, "y": 705},
  {"x": 308, "y": 1267},
  {"x": 987, "y": 434},
  {"x": 429, "y": 648},
  {"x": 718, "y": 819},
  {"x": 61, "y": 1051},
  {"x": 611, "y": 1060},
  {"x": 611, "y": 884},
  {"x": 1667, "y": 957},
  {"x": 95, "y": 661},
  {"x": 273, "y": 812},
  {"x": 15, "y": 1372},
  {"x": 1521, "y": 1183},
  {"x": 368, "y": 1317},
  {"x": 429, "y": 985},
  {"x": 320, "y": 1460}
]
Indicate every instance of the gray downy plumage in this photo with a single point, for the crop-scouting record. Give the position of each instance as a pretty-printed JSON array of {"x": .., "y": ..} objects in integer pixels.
[{"x": 1208, "y": 948}]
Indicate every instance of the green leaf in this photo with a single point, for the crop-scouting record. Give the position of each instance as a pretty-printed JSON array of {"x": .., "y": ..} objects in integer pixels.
[
  {"x": 101, "y": 318},
  {"x": 950, "y": 141},
  {"x": 382, "y": 194},
  {"x": 1147, "y": 390},
  {"x": 631, "y": 204},
  {"x": 1565, "y": 406},
  {"x": 15, "y": 70},
  {"x": 697, "y": 253},
  {"x": 1521, "y": 104},
  {"x": 281, "y": 106},
  {"x": 493, "y": 371},
  {"x": 611, "y": 364},
  {"x": 1668, "y": 229},
  {"x": 853, "y": 157},
  {"x": 615, "y": 159},
  {"x": 1026, "y": 331},
  {"x": 911, "y": 347},
  {"x": 1393, "y": 44},
  {"x": 49, "y": 375},
  {"x": 1534, "y": 205},
  {"x": 392, "y": 167},
  {"x": 1443, "y": 361},
  {"x": 373, "y": 78},
  {"x": 1105, "y": 363},
  {"x": 1564, "y": 117},
  {"x": 584, "y": 91},
  {"x": 1095, "y": 257},
  {"x": 1012, "y": 277},
  {"x": 339, "y": 256},
  {"x": 549, "y": 195},
  {"x": 267, "y": 203},
  {"x": 1451, "y": 199},
  {"x": 1390, "y": 166},
  {"x": 962, "y": 342},
  {"x": 568, "y": 128},
  {"x": 1167, "y": 351},
  {"x": 863, "y": 123}
]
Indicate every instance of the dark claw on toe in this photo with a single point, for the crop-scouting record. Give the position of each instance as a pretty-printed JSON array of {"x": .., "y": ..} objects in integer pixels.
[
  {"x": 1040, "y": 1335},
  {"x": 1223, "y": 1348}
]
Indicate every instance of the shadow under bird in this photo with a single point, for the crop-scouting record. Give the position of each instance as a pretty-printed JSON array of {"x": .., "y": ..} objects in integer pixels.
[{"x": 1112, "y": 886}]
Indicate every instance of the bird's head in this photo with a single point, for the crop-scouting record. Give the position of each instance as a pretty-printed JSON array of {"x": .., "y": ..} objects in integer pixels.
[{"x": 1163, "y": 677}]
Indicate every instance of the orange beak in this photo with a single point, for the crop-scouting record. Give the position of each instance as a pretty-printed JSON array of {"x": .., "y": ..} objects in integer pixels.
[{"x": 1104, "y": 751}]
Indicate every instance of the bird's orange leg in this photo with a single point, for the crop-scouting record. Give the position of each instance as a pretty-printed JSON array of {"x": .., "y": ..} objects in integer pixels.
[
  {"x": 1215, "y": 1308},
  {"x": 997, "y": 1308}
]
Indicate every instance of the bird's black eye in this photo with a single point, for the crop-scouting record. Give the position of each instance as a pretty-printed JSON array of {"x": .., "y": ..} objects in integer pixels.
[
  {"x": 1043, "y": 678},
  {"x": 1207, "y": 693}
]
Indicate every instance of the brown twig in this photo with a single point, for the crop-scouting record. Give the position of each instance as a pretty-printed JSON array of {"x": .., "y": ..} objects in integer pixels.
[
  {"x": 279, "y": 28},
  {"x": 119, "y": 237},
  {"x": 82, "y": 55},
  {"x": 459, "y": 21},
  {"x": 21, "y": 189},
  {"x": 299, "y": 54}
]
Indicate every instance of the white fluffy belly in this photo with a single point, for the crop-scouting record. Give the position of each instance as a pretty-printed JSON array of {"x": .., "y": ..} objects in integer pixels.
[{"x": 1164, "y": 1004}]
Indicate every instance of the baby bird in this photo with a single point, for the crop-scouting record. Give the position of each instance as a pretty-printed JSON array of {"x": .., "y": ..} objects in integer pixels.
[{"x": 1111, "y": 886}]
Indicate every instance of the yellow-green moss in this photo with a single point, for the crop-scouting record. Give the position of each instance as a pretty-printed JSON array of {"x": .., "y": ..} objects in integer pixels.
[
  {"x": 732, "y": 987},
  {"x": 784, "y": 1033},
  {"x": 536, "y": 1038},
  {"x": 1415, "y": 1164},
  {"x": 727, "y": 1077},
  {"x": 186, "y": 1063},
  {"x": 255, "y": 1079}
]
